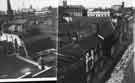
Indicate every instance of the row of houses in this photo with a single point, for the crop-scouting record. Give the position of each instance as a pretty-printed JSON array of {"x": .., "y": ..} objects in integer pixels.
[
  {"x": 79, "y": 10},
  {"x": 99, "y": 13}
]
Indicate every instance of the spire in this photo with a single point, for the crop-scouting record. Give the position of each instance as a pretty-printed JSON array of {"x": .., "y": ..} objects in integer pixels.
[
  {"x": 31, "y": 6},
  {"x": 9, "y": 9}
]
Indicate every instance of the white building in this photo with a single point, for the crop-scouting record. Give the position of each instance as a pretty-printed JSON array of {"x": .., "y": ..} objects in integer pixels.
[
  {"x": 98, "y": 13},
  {"x": 11, "y": 38},
  {"x": 26, "y": 10}
]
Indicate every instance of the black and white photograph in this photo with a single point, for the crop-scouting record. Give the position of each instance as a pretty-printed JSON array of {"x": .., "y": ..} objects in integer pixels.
[
  {"x": 28, "y": 39},
  {"x": 95, "y": 41},
  {"x": 67, "y": 41}
]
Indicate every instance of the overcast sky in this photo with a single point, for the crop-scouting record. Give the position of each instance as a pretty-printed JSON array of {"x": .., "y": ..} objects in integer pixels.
[{"x": 18, "y": 4}]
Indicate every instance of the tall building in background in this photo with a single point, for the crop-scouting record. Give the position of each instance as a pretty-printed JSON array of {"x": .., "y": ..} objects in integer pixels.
[{"x": 9, "y": 9}]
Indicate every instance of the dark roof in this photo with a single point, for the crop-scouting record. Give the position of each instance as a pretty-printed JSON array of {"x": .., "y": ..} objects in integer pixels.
[
  {"x": 13, "y": 70},
  {"x": 71, "y": 50},
  {"x": 76, "y": 6},
  {"x": 89, "y": 42},
  {"x": 18, "y": 21},
  {"x": 100, "y": 9},
  {"x": 79, "y": 23},
  {"x": 76, "y": 50}
]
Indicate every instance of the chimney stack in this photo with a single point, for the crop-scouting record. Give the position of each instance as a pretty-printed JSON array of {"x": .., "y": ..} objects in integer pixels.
[
  {"x": 123, "y": 4},
  {"x": 64, "y": 3},
  {"x": 9, "y": 9}
]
